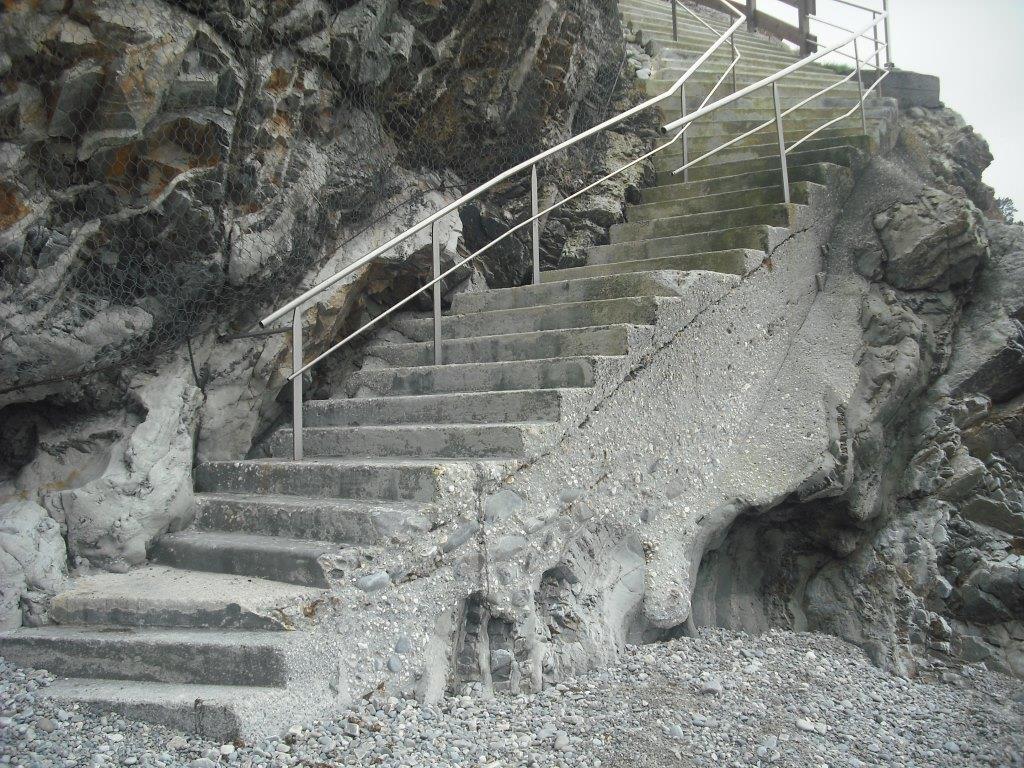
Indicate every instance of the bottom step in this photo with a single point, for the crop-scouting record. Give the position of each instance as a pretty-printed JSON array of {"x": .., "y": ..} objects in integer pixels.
[{"x": 204, "y": 710}]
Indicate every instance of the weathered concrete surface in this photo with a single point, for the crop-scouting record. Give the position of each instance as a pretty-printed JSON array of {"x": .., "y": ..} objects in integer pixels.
[{"x": 911, "y": 89}]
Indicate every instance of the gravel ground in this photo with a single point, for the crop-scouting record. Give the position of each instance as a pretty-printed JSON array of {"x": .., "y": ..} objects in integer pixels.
[{"x": 721, "y": 699}]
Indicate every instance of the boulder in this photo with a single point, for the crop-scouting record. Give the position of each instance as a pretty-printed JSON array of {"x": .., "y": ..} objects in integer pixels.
[
  {"x": 932, "y": 244},
  {"x": 33, "y": 561}
]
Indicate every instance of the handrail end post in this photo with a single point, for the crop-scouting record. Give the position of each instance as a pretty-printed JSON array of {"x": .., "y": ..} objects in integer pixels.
[
  {"x": 535, "y": 210},
  {"x": 782, "y": 143},
  {"x": 436, "y": 244},
  {"x": 297, "y": 384}
]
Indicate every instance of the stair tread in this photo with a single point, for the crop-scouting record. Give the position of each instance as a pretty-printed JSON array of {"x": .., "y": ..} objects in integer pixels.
[
  {"x": 158, "y": 583},
  {"x": 89, "y": 690},
  {"x": 158, "y": 635},
  {"x": 225, "y": 539},
  {"x": 341, "y": 505},
  {"x": 513, "y": 335}
]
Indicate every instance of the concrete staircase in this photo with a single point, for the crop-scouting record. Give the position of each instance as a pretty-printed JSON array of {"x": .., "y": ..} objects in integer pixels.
[{"x": 199, "y": 639}]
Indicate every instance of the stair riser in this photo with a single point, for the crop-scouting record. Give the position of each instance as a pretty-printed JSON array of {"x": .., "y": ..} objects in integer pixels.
[
  {"x": 212, "y": 721},
  {"x": 633, "y": 311},
  {"x": 490, "y": 408},
  {"x": 557, "y": 374},
  {"x": 712, "y": 203},
  {"x": 282, "y": 565},
  {"x": 775, "y": 216},
  {"x": 711, "y": 188},
  {"x": 730, "y": 262},
  {"x": 124, "y": 657},
  {"x": 690, "y": 33},
  {"x": 310, "y": 520},
  {"x": 754, "y": 238},
  {"x": 393, "y": 483},
  {"x": 568, "y": 293},
  {"x": 492, "y": 441},
  {"x": 491, "y": 349},
  {"x": 839, "y": 156}
]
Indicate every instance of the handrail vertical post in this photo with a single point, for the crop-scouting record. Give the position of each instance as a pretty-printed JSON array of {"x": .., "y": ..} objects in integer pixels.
[
  {"x": 736, "y": 67},
  {"x": 860, "y": 87},
  {"x": 752, "y": 15},
  {"x": 888, "y": 34},
  {"x": 782, "y": 142},
  {"x": 297, "y": 384},
  {"x": 685, "y": 137},
  {"x": 675, "y": 21},
  {"x": 878, "y": 48},
  {"x": 535, "y": 209},
  {"x": 436, "y": 242}
]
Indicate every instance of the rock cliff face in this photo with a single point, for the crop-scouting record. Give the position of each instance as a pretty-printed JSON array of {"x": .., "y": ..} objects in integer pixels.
[
  {"x": 172, "y": 170},
  {"x": 907, "y": 539}
]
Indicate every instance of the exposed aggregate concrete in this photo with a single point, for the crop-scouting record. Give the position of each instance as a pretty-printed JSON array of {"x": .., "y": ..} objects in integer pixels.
[{"x": 722, "y": 698}]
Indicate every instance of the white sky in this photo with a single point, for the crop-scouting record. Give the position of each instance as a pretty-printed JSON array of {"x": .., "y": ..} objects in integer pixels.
[{"x": 975, "y": 47}]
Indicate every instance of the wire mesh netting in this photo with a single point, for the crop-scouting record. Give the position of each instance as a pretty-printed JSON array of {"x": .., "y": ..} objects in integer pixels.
[{"x": 171, "y": 168}]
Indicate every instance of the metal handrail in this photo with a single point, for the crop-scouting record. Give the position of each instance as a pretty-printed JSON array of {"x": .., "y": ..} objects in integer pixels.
[{"x": 680, "y": 127}]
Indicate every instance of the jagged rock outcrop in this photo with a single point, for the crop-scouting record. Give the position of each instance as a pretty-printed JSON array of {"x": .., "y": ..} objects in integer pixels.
[
  {"x": 907, "y": 542},
  {"x": 172, "y": 170}
]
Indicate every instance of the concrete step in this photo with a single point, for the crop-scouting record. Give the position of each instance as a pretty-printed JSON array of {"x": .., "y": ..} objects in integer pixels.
[
  {"x": 347, "y": 521},
  {"x": 675, "y": 63},
  {"x": 799, "y": 193},
  {"x": 416, "y": 441},
  {"x": 673, "y": 156},
  {"x": 631, "y": 310},
  {"x": 699, "y": 144},
  {"x": 756, "y": 237},
  {"x": 157, "y": 596},
  {"x": 689, "y": 31},
  {"x": 563, "y": 342},
  {"x": 733, "y": 262},
  {"x": 570, "y": 292},
  {"x": 734, "y": 119},
  {"x": 465, "y": 408},
  {"x": 205, "y": 710},
  {"x": 385, "y": 480},
  {"x": 790, "y": 95},
  {"x": 293, "y": 561},
  {"x": 476, "y": 377},
  {"x": 156, "y": 655},
  {"x": 817, "y": 173},
  {"x": 775, "y": 215},
  {"x": 706, "y": 78},
  {"x": 843, "y": 155}
]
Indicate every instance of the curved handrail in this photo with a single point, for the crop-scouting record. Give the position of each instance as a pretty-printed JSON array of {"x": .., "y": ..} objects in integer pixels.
[
  {"x": 504, "y": 175},
  {"x": 680, "y": 126}
]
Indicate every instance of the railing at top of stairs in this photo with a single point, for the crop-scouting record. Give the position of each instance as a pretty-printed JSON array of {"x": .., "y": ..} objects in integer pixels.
[{"x": 870, "y": 32}]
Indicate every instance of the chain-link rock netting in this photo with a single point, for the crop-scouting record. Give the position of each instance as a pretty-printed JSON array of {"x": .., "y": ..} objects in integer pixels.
[{"x": 171, "y": 168}]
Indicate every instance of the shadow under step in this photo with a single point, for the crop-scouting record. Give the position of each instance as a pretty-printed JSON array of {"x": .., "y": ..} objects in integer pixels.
[
  {"x": 292, "y": 561},
  {"x": 156, "y": 655}
]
